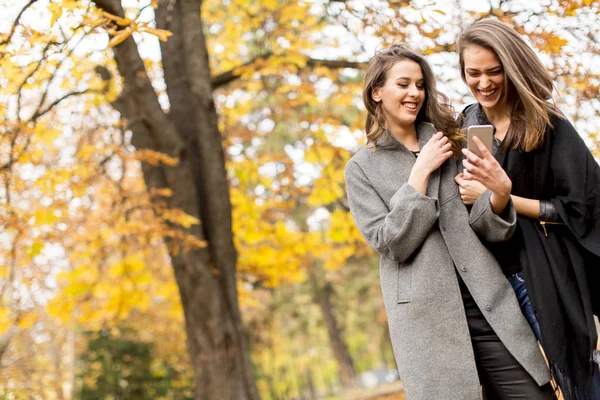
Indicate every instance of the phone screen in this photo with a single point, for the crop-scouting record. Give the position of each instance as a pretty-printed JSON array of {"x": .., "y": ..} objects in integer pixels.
[{"x": 485, "y": 133}]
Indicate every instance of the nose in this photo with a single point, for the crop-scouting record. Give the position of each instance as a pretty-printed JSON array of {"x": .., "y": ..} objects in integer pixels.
[
  {"x": 484, "y": 81},
  {"x": 413, "y": 91}
]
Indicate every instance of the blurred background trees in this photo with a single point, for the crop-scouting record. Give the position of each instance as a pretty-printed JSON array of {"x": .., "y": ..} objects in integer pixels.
[{"x": 143, "y": 141}]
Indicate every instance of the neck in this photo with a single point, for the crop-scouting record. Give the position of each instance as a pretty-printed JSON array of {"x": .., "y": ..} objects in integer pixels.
[
  {"x": 407, "y": 135},
  {"x": 497, "y": 114}
]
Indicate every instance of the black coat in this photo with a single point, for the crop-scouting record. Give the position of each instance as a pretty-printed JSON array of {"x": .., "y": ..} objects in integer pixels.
[{"x": 561, "y": 263}]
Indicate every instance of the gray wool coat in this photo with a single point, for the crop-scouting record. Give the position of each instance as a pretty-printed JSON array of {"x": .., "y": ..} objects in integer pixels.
[{"x": 423, "y": 241}]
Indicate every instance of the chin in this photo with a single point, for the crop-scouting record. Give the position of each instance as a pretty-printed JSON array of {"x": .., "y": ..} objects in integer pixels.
[
  {"x": 409, "y": 119},
  {"x": 488, "y": 103}
]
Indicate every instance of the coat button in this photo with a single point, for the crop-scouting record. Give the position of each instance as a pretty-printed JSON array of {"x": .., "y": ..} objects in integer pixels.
[
  {"x": 463, "y": 269},
  {"x": 488, "y": 308},
  {"x": 444, "y": 228}
]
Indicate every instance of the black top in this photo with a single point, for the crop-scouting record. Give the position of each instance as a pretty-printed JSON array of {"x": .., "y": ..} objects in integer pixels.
[
  {"x": 559, "y": 262},
  {"x": 506, "y": 253}
]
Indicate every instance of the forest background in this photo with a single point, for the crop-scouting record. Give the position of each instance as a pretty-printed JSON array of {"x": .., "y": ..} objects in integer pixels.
[{"x": 173, "y": 221}]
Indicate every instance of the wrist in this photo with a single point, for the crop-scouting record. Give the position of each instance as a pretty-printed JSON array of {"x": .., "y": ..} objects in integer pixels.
[
  {"x": 418, "y": 179},
  {"x": 420, "y": 172},
  {"x": 499, "y": 202},
  {"x": 505, "y": 189}
]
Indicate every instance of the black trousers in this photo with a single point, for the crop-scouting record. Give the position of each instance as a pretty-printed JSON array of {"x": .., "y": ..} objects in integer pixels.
[{"x": 501, "y": 375}]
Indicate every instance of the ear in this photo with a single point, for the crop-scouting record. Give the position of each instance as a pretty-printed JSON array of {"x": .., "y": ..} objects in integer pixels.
[{"x": 375, "y": 95}]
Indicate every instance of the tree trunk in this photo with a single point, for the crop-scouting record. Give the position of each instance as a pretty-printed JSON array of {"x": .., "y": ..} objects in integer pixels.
[
  {"x": 206, "y": 277},
  {"x": 310, "y": 385},
  {"x": 322, "y": 295}
]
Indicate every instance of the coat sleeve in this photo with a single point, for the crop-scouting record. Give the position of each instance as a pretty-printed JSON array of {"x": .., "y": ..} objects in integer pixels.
[
  {"x": 487, "y": 224},
  {"x": 577, "y": 184},
  {"x": 395, "y": 232}
]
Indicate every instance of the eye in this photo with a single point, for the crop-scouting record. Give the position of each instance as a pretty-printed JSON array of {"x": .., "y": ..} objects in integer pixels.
[
  {"x": 495, "y": 72},
  {"x": 421, "y": 86},
  {"x": 403, "y": 85},
  {"x": 473, "y": 74}
]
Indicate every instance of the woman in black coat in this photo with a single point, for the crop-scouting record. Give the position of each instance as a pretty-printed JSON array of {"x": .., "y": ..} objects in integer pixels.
[{"x": 553, "y": 259}]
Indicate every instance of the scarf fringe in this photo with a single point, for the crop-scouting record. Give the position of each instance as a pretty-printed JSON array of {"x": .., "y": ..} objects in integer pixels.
[{"x": 567, "y": 387}]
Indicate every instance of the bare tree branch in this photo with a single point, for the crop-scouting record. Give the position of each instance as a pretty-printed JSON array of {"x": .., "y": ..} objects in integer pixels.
[
  {"x": 16, "y": 23},
  {"x": 37, "y": 67},
  {"x": 224, "y": 78},
  {"x": 60, "y": 63},
  {"x": 38, "y": 114}
]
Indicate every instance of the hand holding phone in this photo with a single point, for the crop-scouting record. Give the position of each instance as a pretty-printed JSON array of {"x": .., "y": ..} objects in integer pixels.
[
  {"x": 485, "y": 133},
  {"x": 484, "y": 168}
]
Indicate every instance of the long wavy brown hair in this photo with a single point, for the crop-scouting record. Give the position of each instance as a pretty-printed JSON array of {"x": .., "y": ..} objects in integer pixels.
[
  {"x": 436, "y": 108},
  {"x": 527, "y": 84}
]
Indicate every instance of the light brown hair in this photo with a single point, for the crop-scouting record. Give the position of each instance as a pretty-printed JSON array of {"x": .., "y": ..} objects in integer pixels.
[
  {"x": 436, "y": 108},
  {"x": 527, "y": 84}
]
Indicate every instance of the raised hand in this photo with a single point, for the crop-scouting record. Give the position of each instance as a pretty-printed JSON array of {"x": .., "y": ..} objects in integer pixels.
[
  {"x": 487, "y": 171},
  {"x": 432, "y": 156},
  {"x": 434, "y": 153}
]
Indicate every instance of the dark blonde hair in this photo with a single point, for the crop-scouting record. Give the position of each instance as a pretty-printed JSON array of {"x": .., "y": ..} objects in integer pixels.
[
  {"x": 436, "y": 108},
  {"x": 527, "y": 84}
]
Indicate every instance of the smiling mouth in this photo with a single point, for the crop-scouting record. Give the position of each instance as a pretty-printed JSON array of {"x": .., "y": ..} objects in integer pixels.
[
  {"x": 410, "y": 106},
  {"x": 487, "y": 93}
]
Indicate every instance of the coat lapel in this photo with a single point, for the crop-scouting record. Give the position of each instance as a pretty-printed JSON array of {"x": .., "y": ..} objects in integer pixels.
[{"x": 424, "y": 132}]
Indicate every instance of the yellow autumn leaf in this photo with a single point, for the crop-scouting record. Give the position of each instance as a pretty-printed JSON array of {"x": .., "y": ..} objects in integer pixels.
[
  {"x": 36, "y": 248},
  {"x": 28, "y": 320},
  {"x": 162, "y": 34},
  {"x": 180, "y": 217},
  {"x": 154, "y": 157},
  {"x": 45, "y": 216},
  {"x": 120, "y": 37},
  {"x": 56, "y": 10},
  {"x": 48, "y": 136},
  {"x": 4, "y": 315},
  {"x": 118, "y": 20},
  {"x": 164, "y": 192},
  {"x": 324, "y": 193}
]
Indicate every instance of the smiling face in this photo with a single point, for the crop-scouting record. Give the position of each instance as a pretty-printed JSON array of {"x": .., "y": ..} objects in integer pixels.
[
  {"x": 484, "y": 75},
  {"x": 402, "y": 95}
]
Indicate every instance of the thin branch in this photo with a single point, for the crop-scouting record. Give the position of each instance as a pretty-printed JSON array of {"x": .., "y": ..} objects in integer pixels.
[
  {"x": 16, "y": 23},
  {"x": 231, "y": 75},
  {"x": 66, "y": 57},
  {"x": 37, "y": 67},
  {"x": 38, "y": 114}
]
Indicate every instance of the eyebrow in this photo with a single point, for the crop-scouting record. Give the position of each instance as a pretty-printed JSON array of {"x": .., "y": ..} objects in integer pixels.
[
  {"x": 489, "y": 69},
  {"x": 406, "y": 78}
]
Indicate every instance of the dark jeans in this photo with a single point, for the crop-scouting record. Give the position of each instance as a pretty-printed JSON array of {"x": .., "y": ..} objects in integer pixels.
[
  {"x": 501, "y": 375},
  {"x": 518, "y": 284}
]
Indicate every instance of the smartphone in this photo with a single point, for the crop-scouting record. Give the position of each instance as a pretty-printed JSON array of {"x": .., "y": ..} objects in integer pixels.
[{"x": 485, "y": 133}]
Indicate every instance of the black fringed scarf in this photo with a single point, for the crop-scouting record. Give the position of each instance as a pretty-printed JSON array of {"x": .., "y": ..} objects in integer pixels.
[{"x": 561, "y": 263}]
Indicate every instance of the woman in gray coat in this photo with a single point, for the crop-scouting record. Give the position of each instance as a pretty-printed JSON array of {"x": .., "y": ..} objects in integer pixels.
[{"x": 454, "y": 321}]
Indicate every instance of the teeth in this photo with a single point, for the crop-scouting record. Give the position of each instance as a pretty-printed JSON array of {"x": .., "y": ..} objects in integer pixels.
[
  {"x": 410, "y": 106},
  {"x": 487, "y": 92}
]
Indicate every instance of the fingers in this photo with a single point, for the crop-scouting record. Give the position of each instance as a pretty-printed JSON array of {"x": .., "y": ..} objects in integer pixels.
[
  {"x": 459, "y": 179},
  {"x": 467, "y": 200},
  {"x": 468, "y": 176},
  {"x": 469, "y": 167},
  {"x": 484, "y": 151},
  {"x": 472, "y": 157},
  {"x": 436, "y": 137}
]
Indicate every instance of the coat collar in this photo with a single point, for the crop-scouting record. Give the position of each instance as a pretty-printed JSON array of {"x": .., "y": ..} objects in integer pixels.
[{"x": 425, "y": 131}]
